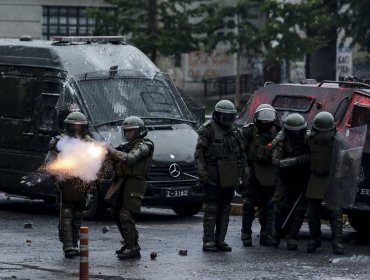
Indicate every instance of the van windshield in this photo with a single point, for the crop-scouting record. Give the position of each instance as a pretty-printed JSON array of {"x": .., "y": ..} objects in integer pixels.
[{"x": 113, "y": 96}]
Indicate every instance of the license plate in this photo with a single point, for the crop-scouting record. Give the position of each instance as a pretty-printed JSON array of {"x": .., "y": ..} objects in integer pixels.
[{"x": 177, "y": 193}]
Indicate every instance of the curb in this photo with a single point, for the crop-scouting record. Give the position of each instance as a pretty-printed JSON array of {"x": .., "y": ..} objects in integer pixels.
[{"x": 236, "y": 209}]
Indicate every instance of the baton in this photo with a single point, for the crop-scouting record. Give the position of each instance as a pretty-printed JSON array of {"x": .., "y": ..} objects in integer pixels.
[{"x": 292, "y": 210}]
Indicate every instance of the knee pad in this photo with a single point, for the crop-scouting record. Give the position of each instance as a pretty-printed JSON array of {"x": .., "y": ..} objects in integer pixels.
[
  {"x": 125, "y": 216},
  {"x": 210, "y": 208},
  {"x": 67, "y": 213},
  {"x": 225, "y": 209},
  {"x": 77, "y": 217}
]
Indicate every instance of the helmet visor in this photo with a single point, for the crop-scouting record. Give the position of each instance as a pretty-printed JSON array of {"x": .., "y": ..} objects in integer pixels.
[
  {"x": 75, "y": 130},
  {"x": 296, "y": 136},
  {"x": 266, "y": 115},
  {"x": 323, "y": 136},
  {"x": 130, "y": 134}
]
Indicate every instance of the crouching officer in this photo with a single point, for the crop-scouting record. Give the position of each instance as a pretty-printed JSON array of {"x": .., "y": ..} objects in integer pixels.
[
  {"x": 321, "y": 143},
  {"x": 72, "y": 191},
  {"x": 290, "y": 157},
  {"x": 131, "y": 168},
  {"x": 221, "y": 162},
  {"x": 259, "y": 191}
]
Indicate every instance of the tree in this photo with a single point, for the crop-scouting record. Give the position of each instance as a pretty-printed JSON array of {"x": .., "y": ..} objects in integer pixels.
[
  {"x": 233, "y": 25},
  {"x": 357, "y": 21},
  {"x": 285, "y": 34},
  {"x": 155, "y": 26}
]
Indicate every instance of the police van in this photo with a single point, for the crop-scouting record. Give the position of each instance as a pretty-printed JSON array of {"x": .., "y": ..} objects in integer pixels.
[
  {"x": 41, "y": 82},
  {"x": 349, "y": 103}
]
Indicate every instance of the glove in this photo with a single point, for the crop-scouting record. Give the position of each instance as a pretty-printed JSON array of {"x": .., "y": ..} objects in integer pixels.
[
  {"x": 302, "y": 160},
  {"x": 242, "y": 188}
]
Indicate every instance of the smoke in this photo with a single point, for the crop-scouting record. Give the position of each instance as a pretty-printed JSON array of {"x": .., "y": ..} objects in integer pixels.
[{"x": 77, "y": 158}]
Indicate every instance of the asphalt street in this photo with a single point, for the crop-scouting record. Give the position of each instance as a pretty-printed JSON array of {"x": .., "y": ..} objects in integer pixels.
[{"x": 36, "y": 253}]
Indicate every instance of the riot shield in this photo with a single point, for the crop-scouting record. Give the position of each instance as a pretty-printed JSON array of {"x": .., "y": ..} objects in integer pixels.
[{"x": 345, "y": 168}]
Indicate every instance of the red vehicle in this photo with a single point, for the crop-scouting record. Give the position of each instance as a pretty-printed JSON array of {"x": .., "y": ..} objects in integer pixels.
[{"x": 349, "y": 102}]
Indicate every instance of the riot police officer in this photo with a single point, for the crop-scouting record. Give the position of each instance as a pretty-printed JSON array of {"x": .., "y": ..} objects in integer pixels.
[
  {"x": 72, "y": 191},
  {"x": 258, "y": 192},
  {"x": 132, "y": 164},
  {"x": 290, "y": 157},
  {"x": 221, "y": 161},
  {"x": 321, "y": 142}
]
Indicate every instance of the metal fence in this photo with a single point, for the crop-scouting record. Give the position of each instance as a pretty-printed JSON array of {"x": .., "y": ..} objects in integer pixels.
[{"x": 226, "y": 85}]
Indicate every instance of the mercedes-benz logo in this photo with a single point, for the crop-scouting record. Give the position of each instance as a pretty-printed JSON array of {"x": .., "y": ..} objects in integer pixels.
[{"x": 174, "y": 170}]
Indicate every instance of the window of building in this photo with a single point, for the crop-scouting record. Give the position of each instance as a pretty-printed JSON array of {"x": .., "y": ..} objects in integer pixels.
[{"x": 67, "y": 21}]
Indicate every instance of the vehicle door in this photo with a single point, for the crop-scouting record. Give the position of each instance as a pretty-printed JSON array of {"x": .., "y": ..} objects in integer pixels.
[{"x": 17, "y": 142}]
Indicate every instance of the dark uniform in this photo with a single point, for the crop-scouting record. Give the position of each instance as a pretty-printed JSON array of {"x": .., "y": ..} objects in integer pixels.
[
  {"x": 290, "y": 157},
  {"x": 259, "y": 190},
  {"x": 221, "y": 161},
  {"x": 321, "y": 143},
  {"x": 131, "y": 168},
  {"x": 72, "y": 191}
]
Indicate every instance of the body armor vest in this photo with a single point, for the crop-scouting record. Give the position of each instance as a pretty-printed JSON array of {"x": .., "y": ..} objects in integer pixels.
[
  {"x": 73, "y": 189},
  {"x": 258, "y": 144},
  {"x": 293, "y": 149},
  {"x": 320, "y": 156},
  {"x": 225, "y": 144},
  {"x": 139, "y": 170}
]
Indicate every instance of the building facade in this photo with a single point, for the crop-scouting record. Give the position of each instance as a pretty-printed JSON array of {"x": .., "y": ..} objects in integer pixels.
[{"x": 43, "y": 19}]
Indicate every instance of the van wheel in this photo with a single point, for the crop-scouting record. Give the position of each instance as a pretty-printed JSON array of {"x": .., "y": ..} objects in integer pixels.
[
  {"x": 95, "y": 207},
  {"x": 359, "y": 222},
  {"x": 187, "y": 210}
]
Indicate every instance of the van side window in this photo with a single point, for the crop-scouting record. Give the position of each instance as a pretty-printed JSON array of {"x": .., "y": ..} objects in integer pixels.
[
  {"x": 16, "y": 97},
  {"x": 50, "y": 92},
  {"x": 67, "y": 103}
]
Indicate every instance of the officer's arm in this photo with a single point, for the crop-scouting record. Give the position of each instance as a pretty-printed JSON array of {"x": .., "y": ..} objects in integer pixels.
[
  {"x": 133, "y": 156},
  {"x": 246, "y": 132},
  {"x": 200, "y": 149},
  {"x": 116, "y": 155},
  {"x": 143, "y": 151},
  {"x": 277, "y": 153},
  {"x": 52, "y": 152},
  {"x": 280, "y": 162}
]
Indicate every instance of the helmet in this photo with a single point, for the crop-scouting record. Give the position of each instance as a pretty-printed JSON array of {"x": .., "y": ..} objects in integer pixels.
[
  {"x": 224, "y": 113},
  {"x": 295, "y": 121},
  {"x": 76, "y": 124},
  {"x": 265, "y": 112},
  {"x": 295, "y": 127},
  {"x": 323, "y": 121},
  {"x": 134, "y": 123},
  {"x": 264, "y": 117},
  {"x": 323, "y": 127}
]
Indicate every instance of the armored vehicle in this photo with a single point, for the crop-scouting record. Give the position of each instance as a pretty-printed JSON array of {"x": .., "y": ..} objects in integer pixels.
[
  {"x": 41, "y": 82},
  {"x": 349, "y": 102}
]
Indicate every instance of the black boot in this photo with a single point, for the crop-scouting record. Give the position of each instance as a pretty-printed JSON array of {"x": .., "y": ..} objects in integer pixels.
[
  {"x": 247, "y": 220},
  {"x": 66, "y": 230},
  {"x": 129, "y": 235},
  {"x": 312, "y": 245},
  {"x": 313, "y": 217},
  {"x": 77, "y": 217},
  {"x": 266, "y": 218},
  {"x": 133, "y": 253},
  {"x": 120, "y": 251},
  {"x": 222, "y": 224},
  {"x": 278, "y": 220},
  {"x": 209, "y": 224},
  {"x": 295, "y": 226},
  {"x": 247, "y": 239},
  {"x": 336, "y": 223}
]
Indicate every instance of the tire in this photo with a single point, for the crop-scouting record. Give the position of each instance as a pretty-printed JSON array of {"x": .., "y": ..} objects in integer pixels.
[
  {"x": 359, "y": 221},
  {"x": 95, "y": 207},
  {"x": 187, "y": 210}
]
